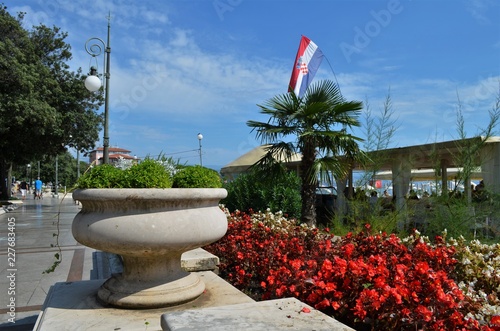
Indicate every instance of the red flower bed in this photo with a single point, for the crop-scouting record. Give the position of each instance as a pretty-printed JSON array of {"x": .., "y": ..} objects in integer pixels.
[{"x": 369, "y": 282}]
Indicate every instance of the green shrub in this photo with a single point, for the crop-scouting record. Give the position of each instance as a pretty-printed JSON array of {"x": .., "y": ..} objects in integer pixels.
[
  {"x": 197, "y": 176},
  {"x": 146, "y": 174},
  {"x": 101, "y": 176},
  {"x": 250, "y": 191}
]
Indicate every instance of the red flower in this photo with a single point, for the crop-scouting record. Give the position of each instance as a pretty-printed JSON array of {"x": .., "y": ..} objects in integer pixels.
[
  {"x": 296, "y": 264},
  {"x": 425, "y": 313},
  {"x": 422, "y": 267},
  {"x": 348, "y": 249},
  {"x": 325, "y": 303},
  {"x": 364, "y": 280}
]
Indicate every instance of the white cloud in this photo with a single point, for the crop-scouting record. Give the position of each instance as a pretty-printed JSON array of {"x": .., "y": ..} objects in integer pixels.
[{"x": 479, "y": 9}]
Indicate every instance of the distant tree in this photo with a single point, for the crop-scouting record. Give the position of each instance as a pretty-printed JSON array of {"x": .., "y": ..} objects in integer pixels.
[
  {"x": 379, "y": 131},
  {"x": 67, "y": 169},
  {"x": 43, "y": 105},
  {"x": 317, "y": 124}
]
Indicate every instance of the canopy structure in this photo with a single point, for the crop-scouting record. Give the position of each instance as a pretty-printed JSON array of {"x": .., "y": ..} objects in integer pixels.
[
  {"x": 405, "y": 164},
  {"x": 429, "y": 174},
  {"x": 242, "y": 163}
]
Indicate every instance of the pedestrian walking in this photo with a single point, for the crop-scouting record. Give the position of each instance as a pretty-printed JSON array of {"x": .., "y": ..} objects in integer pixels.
[
  {"x": 24, "y": 188},
  {"x": 38, "y": 188}
]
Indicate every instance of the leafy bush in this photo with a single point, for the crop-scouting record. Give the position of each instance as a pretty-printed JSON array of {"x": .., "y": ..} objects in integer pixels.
[
  {"x": 369, "y": 282},
  {"x": 146, "y": 174},
  {"x": 361, "y": 211},
  {"x": 250, "y": 191},
  {"x": 197, "y": 176},
  {"x": 102, "y": 176}
]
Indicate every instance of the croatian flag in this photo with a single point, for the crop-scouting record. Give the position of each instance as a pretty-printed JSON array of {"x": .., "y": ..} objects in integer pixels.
[{"x": 307, "y": 62}]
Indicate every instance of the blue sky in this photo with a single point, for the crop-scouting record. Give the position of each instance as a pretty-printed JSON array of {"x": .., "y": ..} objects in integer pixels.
[{"x": 179, "y": 68}]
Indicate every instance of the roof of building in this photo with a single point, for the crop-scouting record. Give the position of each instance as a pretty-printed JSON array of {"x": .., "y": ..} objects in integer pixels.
[
  {"x": 112, "y": 149},
  {"x": 248, "y": 159},
  {"x": 425, "y": 156},
  {"x": 125, "y": 156}
]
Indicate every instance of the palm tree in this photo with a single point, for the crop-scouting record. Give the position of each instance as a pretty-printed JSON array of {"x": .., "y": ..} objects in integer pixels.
[{"x": 316, "y": 124}]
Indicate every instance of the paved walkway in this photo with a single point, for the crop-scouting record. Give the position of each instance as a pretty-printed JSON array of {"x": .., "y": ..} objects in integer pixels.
[{"x": 22, "y": 280}]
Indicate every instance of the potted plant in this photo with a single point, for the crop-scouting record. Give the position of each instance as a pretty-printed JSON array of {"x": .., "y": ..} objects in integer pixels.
[{"x": 137, "y": 214}]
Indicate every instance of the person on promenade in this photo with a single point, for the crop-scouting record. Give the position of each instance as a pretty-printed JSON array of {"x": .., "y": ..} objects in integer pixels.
[
  {"x": 38, "y": 188},
  {"x": 24, "y": 188}
]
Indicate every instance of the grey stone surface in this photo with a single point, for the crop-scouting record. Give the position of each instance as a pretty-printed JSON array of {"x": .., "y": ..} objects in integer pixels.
[
  {"x": 74, "y": 306},
  {"x": 282, "y": 314},
  {"x": 199, "y": 260},
  {"x": 106, "y": 264}
]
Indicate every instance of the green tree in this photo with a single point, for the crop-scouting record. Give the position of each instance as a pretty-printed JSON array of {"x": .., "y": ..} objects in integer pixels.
[
  {"x": 43, "y": 105},
  {"x": 280, "y": 194},
  {"x": 317, "y": 124},
  {"x": 66, "y": 173}
]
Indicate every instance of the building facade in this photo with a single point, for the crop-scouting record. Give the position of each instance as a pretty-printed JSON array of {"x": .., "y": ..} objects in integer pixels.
[{"x": 97, "y": 155}]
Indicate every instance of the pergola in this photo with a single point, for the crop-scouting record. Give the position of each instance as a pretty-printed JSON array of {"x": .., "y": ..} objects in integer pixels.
[{"x": 404, "y": 163}]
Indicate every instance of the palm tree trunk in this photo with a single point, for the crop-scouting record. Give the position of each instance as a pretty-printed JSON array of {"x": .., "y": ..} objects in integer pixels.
[{"x": 309, "y": 184}]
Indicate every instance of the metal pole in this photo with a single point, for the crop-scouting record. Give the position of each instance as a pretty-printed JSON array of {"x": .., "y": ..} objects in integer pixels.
[
  {"x": 31, "y": 176},
  {"x": 201, "y": 159},
  {"x": 95, "y": 49},
  {"x": 106, "y": 97},
  {"x": 77, "y": 164},
  {"x": 200, "y": 137},
  {"x": 56, "y": 192}
]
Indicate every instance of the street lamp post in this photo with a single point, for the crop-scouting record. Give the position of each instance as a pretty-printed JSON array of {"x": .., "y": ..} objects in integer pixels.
[
  {"x": 200, "y": 137},
  {"x": 94, "y": 47},
  {"x": 31, "y": 175},
  {"x": 77, "y": 159},
  {"x": 56, "y": 190},
  {"x": 77, "y": 163},
  {"x": 28, "y": 174}
]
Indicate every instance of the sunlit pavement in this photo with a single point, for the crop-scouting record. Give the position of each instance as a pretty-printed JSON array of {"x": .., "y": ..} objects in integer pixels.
[{"x": 26, "y": 236}]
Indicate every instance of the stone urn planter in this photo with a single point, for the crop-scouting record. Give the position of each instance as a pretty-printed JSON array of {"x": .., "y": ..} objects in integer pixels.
[{"x": 150, "y": 229}]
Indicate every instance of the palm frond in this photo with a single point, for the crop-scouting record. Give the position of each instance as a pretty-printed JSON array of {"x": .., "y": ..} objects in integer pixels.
[
  {"x": 324, "y": 91},
  {"x": 271, "y": 164}
]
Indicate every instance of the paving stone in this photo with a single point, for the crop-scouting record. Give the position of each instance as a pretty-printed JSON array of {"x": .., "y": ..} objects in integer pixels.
[{"x": 281, "y": 314}]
